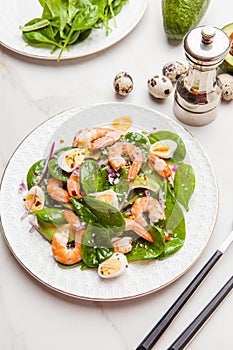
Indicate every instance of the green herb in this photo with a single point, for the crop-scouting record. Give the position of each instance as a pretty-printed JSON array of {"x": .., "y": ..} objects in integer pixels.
[{"x": 68, "y": 22}]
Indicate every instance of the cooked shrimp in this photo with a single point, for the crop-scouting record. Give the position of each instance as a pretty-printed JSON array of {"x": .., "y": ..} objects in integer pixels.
[
  {"x": 159, "y": 165},
  {"x": 64, "y": 253},
  {"x": 95, "y": 138},
  {"x": 147, "y": 204},
  {"x": 132, "y": 225},
  {"x": 73, "y": 185},
  {"x": 117, "y": 161},
  {"x": 75, "y": 223},
  {"x": 55, "y": 190},
  {"x": 122, "y": 245}
]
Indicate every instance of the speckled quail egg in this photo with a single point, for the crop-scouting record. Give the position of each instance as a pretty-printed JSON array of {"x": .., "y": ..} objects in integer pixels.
[
  {"x": 225, "y": 81},
  {"x": 115, "y": 266},
  {"x": 164, "y": 148},
  {"x": 108, "y": 196},
  {"x": 71, "y": 159},
  {"x": 159, "y": 86},
  {"x": 123, "y": 83},
  {"x": 173, "y": 70},
  {"x": 34, "y": 199}
]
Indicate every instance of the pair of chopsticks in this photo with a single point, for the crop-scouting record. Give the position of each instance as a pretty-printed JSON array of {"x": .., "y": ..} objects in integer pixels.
[{"x": 185, "y": 337}]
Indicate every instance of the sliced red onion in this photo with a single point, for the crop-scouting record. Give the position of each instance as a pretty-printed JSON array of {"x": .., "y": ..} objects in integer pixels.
[
  {"x": 22, "y": 187},
  {"x": 25, "y": 214},
  {"x": 111, "y": 171},
  {"x": 174, "y": 168},
  {"x": 76, "y": 171},
  {"x": 47, "y": 163}
]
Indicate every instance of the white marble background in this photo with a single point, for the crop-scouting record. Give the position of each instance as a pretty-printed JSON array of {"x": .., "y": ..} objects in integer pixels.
[{"x": 31, "y": 316}]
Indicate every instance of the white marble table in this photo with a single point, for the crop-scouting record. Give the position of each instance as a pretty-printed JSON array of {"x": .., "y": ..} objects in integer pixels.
[{"x": 33, "y": 317}]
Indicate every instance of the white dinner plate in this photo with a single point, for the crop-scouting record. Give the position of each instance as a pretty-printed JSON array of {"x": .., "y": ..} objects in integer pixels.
[
  {"x": 14, "y": 13},
  {"x": 33, "y": 252}
]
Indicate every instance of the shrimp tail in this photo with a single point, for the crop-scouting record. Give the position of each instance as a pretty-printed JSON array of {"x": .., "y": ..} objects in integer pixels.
[{"x": 131, "y": 225}]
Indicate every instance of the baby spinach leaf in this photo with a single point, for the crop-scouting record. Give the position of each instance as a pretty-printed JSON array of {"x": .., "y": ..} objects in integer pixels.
[
  {"x": 96, "y": 245},
  {"x": 83, "y": 212},
  {"x": 180, "y": 151},
  {"x": 184, "y": 184},
  {"x": 51, "y": 215},
  {"x": 37, "y": 38},
  {"x": 37, "y": 24},
  {"x": 108, "y": 216},
  {"x": 175, "y": 222},
  {"x": 90, "y": 176},
  {"x": 173, "y": 213},
  {"x": 176, "y": 241},
  {"x": 143, "y": 250},
  {"x": 56, "y": 172},
  {"x": 58, "y": 9},
  {"x": 34, "y": 173},
  {"x": 85, "y": 18}
]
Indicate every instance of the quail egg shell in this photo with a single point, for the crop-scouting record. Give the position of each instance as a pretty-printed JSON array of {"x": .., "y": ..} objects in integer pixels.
[
  {"x": 108, "y": 196},
  {"x": 164, "y": 148},
  {"x": 225, "y": 81},
  {"x": 71, "y": 159},
  {"x": 34, "y": 199},
  {"x": 159, "y": 86},
  {"x": 173, "y": 70},
  {"x": 115, "y": 266},
  {"x": 123, "y": 83}
]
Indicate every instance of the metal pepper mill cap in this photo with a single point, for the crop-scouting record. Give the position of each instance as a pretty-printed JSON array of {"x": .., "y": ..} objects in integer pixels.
[
  {"x": 206, "y": 46},
  {"x": 197, "y": 94}
]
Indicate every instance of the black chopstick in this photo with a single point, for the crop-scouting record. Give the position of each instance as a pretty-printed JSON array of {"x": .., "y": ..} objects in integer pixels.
[
  {"x": 157, "y": 331},
  {"x": 185, "y": 337}
]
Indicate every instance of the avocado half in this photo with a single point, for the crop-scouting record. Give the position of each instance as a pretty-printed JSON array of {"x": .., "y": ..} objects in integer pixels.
[{"x": 227, "y": 64}]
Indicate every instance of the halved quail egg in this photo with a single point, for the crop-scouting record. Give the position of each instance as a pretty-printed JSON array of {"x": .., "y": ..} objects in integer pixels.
[
  {"x": 164, "y": 148},
  {"x": 34, "y": 199},
  {"x": 115, "y": 266},
  {"x": 71, "y": 159},
  {"x": 108, "y": 196}
]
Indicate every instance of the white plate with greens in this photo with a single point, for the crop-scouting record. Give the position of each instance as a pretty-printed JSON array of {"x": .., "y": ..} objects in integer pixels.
[
  {"x": 143, "y": 276},
  {"x": 14, "y": 13}
]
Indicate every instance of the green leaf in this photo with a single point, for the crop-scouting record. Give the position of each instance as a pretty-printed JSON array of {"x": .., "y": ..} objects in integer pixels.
[
  {"x": 143, "y": 250},
  {"x": 56, "y": 172},
  {"x": 38, "y": 24},
  {"x": 177, "y": 239},
  {"x": 108, "y": 216},
  {"x": 96, "y": 245},
  {"x": 184, "y": 184},
  {"x": 51, "y": 215},
  {"x": 173, "y": 212},
  {"x": 85, "y": 18},
  {"x": 36, "y": 38},
  {"x": 90, "y": 176},
  {"x": 34, "y": 173},
  {"x": 83, "y": 212}
]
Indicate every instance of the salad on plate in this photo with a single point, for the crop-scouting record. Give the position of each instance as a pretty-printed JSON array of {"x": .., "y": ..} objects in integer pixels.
[{"x": 115, "y": 195}]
